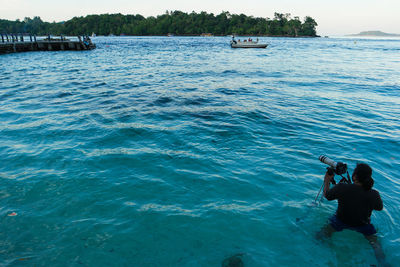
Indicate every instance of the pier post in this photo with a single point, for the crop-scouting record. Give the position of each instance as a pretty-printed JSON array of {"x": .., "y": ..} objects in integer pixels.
[
  {"x": 2, "y": 38},
  {"x": 7, "y": 38},
  {"x": 62, "y": 43},
  {"x": 34, "y": 37},
  {"x": 22, "y": 37},
  {"x": 49, "y": 47},
  {"x": 30, "y": 38}
]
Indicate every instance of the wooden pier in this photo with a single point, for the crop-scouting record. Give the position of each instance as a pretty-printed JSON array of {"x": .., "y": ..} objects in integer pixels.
[{"x": 13, "y": 43}]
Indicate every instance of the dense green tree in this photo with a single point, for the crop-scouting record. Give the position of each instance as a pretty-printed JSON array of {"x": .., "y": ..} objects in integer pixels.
[
  {"x": 175, "y": 22},
  {"x": 308, "y": 27}
]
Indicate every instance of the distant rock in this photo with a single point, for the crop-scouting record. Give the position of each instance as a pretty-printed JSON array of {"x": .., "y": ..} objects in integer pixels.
[{"x": 375, "y": 33}]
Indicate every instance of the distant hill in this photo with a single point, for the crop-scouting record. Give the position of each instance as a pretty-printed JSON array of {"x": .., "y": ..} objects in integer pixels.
[{"x": 376, "y": 33}]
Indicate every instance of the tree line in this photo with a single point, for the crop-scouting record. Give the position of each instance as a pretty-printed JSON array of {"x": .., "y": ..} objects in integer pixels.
[{"x": 171, "y": 22}]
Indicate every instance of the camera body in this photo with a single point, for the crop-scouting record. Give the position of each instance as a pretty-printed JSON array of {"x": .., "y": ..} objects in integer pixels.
[{"x": 337, "y": 167}]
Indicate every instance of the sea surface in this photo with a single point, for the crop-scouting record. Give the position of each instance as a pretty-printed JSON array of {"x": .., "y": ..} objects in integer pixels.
[{"x": 180, "y": 151}]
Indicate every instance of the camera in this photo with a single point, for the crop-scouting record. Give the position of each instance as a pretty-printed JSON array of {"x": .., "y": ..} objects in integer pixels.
[{"x": 337, "y": 167}]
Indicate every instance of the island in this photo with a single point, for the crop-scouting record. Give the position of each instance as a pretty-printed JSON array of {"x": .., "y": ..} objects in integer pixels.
[
  {"x": 171, "y": 23},
  {"x": 376, "y": 34}
]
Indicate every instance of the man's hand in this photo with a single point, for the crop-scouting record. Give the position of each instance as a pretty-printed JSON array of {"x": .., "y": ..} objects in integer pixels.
[
  {"x": 328, "y": 179},
  {"x": 329, "y": 176}
]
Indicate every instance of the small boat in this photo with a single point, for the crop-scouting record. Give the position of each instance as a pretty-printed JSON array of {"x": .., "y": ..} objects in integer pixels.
[
  {"x": 246, "y": 43},
  {"x": 250, "y": 44}
]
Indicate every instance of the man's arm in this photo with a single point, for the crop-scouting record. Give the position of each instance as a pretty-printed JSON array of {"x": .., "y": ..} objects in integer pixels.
[
  {"x": 378, "y": 202},
  {"x": 327, "y": 183}
]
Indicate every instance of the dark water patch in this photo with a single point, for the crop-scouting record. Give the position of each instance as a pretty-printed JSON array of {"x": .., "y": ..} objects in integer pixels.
[
  {"x": 373, "y": 79},
  {"x": 390, "y": 49},
  {"x": 62, "y": 95},
  {"x": 162, "y": 101},
  {"x": 144, "y": 84},
  {"x": 100, "y": 84},
  {"x": 189, "y": 89},
  {"x": 228, "y": 91},
  {"x": 73, "y": 70},
  {"x": 196, "y": 101},
  {"x": 228, "y": 72},
  {"x": 258, "y": 83},
  {"x": 74, "y": 83},
  {"x": 275, "y": 74}
]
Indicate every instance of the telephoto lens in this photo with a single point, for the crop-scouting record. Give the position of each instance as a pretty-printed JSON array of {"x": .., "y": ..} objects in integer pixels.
[
  {"x": 328, "y": 161},
  {"x": 338, "y": 167}
]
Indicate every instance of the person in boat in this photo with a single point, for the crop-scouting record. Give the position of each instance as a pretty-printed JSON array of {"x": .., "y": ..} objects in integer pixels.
[
  {"x": 233, "y": 39},
  {"x": 86, "y": 41},
  {"x": 356, "y": 202}
]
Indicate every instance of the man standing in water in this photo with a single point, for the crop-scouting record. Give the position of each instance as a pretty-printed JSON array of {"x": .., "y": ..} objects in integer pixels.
[{"x": 355, "y": 204}]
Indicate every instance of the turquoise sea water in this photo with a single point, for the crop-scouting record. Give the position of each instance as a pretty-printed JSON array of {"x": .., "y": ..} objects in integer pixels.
[{"x": 156, "y": 151}]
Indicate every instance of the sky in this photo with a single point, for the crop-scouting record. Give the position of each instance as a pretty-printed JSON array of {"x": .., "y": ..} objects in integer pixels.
[{"x": 339, "y": 17}]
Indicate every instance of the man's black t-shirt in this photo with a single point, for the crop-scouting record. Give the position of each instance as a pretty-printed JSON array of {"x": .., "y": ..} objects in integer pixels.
[{"x": 355, "y": 203}]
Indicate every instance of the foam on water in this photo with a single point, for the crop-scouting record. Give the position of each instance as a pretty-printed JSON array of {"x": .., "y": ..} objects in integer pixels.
[{"x": 156, "y": 151}]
